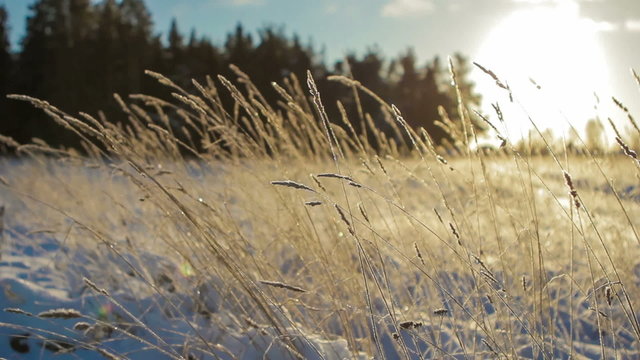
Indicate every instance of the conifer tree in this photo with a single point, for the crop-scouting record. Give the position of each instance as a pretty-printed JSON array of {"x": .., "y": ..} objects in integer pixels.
[{"x": 6, "y": 63}]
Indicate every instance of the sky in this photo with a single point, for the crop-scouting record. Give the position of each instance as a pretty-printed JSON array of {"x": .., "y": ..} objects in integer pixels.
[
  {"x": 431, "y": 27},
  {"x": 573, "y": 46}
]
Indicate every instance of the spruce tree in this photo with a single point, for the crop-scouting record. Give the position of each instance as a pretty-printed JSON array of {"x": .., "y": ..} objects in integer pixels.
[{"x": 6, "y": 64}]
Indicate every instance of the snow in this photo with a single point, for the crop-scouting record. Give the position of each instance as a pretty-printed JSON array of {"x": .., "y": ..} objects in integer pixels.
[
  {"x": 39, "y": 274},
  {"x": 152, "y": 307}
]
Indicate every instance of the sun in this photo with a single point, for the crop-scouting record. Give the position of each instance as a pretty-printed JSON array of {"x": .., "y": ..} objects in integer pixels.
[{"x": 552, "y": 60}]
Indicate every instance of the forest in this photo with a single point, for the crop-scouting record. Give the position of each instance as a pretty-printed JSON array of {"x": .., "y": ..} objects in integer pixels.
[{"x": 76, "y": 54}]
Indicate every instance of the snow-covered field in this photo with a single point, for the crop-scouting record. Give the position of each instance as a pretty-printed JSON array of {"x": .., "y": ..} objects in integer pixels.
[
  {"x": 145, "y": 306},
  {"x": 66, "y": 299},
  {"x": 39, "y": 274}
]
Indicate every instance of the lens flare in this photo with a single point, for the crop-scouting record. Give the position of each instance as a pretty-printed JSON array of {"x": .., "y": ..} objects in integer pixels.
[
  {"x": 186, "y": 270},
  {"x": 104, "y": 311}
]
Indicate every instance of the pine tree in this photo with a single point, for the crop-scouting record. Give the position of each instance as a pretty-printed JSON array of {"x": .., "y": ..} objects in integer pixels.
[
  {"x": 74, "y": 65},
  {"x": 176, "y": 60},
  {"x": 53, "y": 61},
  {"x": 369, "y": 70},
  {"x": 432, "y": 97},
  {"x": 136, "y": 15},
  {"x": 202, "y": 57},
  {"x": 239, "y": 48},
  {"x": 300, "y": 58},
  {"x": 407, "y": 92},
  {"x": 107, "y": 39},
  {"x": 176, "y": 41},
  {"x": 7, "y": 124},
  {"x": 58, "y": 31},
  {"x": 6, "y": 61},
  {"x": 141, "y": 49}
]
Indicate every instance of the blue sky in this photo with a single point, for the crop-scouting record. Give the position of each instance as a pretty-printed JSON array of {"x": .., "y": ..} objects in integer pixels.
[{"x": 431, "y": 27}]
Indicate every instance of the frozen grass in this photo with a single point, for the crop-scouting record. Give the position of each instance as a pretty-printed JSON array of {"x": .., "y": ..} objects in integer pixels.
[{"x": 289, "y": 236}]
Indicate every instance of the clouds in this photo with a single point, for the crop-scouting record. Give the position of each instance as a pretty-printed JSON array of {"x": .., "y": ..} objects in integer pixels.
[
  {"x": 236, "y": 2},
  {"x": 632, "y": 25},
  {"x": 538, "y": 2},
  {"x": 331, "y": 9},
  {"x": 603, "y": 26},
  {"x": 246, "y": 2},
  {"x": 407, "y": 8},
  {"x": 607, "y": 16},
  {"x": 601, "y": 16}
]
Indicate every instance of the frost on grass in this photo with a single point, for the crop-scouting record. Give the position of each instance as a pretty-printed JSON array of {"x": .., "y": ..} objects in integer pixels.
[
  {"x": 141, "y": 252},
  {"x": 51, "y": 307},
  {"x": 190, "y": 326}
]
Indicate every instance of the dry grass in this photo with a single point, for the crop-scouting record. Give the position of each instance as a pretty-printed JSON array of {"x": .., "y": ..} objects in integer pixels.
[{"x": 302, "y": 227}]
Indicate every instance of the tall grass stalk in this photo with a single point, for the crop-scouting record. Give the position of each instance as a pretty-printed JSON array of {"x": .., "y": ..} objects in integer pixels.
[{"x": 312, "y": 230}]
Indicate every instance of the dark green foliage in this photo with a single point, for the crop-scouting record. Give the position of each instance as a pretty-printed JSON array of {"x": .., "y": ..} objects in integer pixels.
[
  {"x": 419, "y": 90},
  {"x": 6, "y": 66},
  {"x": 77, "y": 53}
]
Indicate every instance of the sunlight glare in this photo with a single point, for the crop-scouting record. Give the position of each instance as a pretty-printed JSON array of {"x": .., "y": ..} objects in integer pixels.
[{"x": 560, "y": 51}]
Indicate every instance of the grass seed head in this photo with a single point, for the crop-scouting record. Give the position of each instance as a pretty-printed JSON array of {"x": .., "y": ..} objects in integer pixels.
[
  {"x": 453, "y": 230},
  {"x": 626, "y": 149},
  {"x": 363, "y": 212},
  {"x": 441, "y": 311},
  {"x": 282, "y": 285},
  {"x": 343, "y": 216},
  {"x": 17, "y": 311},
  {"x": 318, "y": 183},
  {"x": 572, "y": 190},
  {"x": 498, "y": 110},
  {"x": 410, "y": 324},
  {"x": 381, "y": 165},
  {"x": 438, "y": 215},
  {"x": 94, "y": 287},
  {"x": 292, "y": 184},
  {"x": 81, "y": 326},
  {"x": 60, "y": 314},
  {"x": 418, "y": 253},
  {"x": 336, "y": 176},
  {"x": 251, "y": 323},
  {"x": 599, "y": 312}
]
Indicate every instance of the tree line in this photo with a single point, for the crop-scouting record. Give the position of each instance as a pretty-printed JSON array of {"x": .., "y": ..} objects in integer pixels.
[{"x": 76, "y": 53}]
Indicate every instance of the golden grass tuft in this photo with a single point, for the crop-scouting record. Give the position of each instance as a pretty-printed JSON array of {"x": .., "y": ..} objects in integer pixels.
[{"x": 450, "y": 251}]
